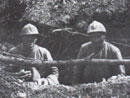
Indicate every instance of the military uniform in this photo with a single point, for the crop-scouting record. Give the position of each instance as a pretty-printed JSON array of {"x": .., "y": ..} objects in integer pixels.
[
  {"x": 46, "y": 75},
  {"x": 51, "y": 74},
  {"x": 95, "y": 73},
  {"x": 97, "y": 50}
]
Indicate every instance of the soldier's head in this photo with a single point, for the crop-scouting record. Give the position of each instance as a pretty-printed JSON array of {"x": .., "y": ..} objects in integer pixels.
[
  {"x": 29, "y": 35},
  {"x": 96, "y": 32}
]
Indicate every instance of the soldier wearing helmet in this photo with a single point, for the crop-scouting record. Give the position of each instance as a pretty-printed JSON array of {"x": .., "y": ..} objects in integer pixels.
[
  {"x": 97, "y": 48},
  {"x": 29, "y": 49}
]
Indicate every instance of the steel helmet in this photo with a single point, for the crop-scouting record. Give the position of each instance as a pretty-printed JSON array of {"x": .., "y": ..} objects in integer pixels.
[
  {"x": 96, "y": 26},
  {"x": 29, "y": 29}
]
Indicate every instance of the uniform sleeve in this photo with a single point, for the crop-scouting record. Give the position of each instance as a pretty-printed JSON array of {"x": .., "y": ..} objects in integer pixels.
[
  {"x": 16, "y": 51},
  {"x": 81, "y": 53},
  {"x": 121, "y": 68},
  {"x": 78, "y": 69},
  {"x": 52, "y": 79},
  {"x": 13, "y": 50}
]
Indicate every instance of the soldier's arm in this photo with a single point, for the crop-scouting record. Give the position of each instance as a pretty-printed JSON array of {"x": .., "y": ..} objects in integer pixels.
[
  {"x": 121, "y": 67},
  {"x": 13, "y": 51},
  {"x": 52, "y": 79},
  {"x": 78, "y": 69}
]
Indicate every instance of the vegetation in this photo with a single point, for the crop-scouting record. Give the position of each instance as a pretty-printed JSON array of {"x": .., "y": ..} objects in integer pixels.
[{"x": 62, "y": 25}]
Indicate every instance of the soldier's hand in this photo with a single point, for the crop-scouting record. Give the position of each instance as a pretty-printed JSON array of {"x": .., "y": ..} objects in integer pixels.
[
  {"x": 121, "y": 75},
  {"x": 40, "y": 81},
  {"x": 89, "y": 57},
  {"x": 25, "y": 74}
]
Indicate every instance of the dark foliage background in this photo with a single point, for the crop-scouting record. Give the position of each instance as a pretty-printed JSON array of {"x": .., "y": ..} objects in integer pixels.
[{"x": 63, "y": 24}]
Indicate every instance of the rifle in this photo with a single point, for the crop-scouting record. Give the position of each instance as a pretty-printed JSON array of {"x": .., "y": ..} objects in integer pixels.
[{"x": 30, "y": 62}]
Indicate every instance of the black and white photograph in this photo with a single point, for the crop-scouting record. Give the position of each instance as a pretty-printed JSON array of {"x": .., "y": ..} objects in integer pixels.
[{"x": 64, "y": 48}]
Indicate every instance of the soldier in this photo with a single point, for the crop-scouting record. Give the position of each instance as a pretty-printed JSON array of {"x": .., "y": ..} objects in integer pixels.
[
  {"x": 97, "y": 48},
  {"x": 46, "y": 75}
]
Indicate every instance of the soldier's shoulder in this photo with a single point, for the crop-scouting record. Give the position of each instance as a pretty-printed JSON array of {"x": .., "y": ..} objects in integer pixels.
[
  {"x": 15, "y": 49},
  {"x": 112, "y": 47},
  {"x": 87, "y": 44},
  {"x": 43, "y": 49}
]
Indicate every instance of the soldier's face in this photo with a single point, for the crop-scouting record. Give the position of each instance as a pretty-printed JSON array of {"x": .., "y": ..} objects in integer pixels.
[
  {"x": 97, "y": 38},
  {"x": 29, "y": 40}
]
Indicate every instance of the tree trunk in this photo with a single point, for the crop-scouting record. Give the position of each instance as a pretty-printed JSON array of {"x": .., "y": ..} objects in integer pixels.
[{"x": 20, "y": 61}]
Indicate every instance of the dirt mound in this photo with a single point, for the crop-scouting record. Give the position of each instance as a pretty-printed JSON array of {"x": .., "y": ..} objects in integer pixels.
[{"x": 115, "y": 87}]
